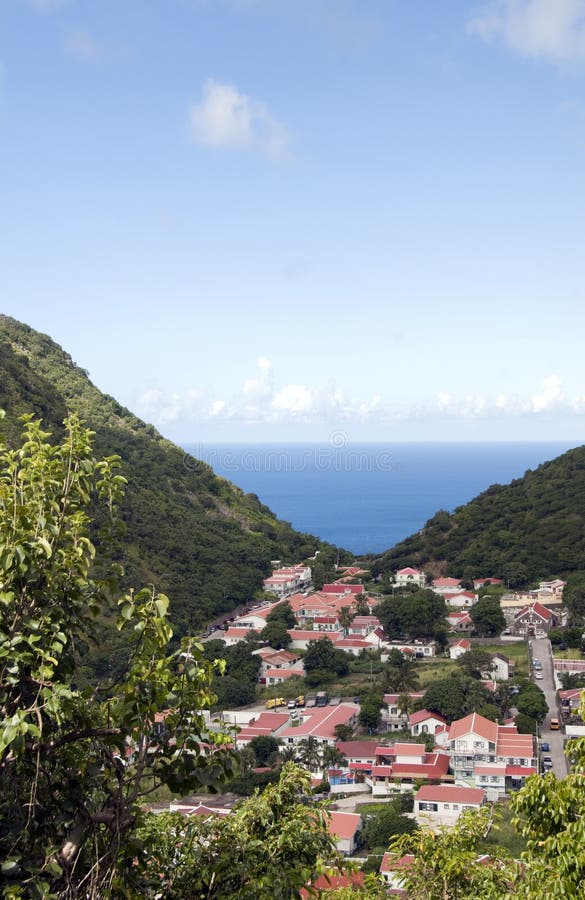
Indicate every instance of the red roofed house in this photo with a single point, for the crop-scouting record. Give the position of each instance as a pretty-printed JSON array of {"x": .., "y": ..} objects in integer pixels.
[
  {"x": 345, "y": 827},
  {"x": 408, "y": 576},
  {"x": 425, "y": 722},
  {"x": 460, "y": 621},
  {"x": 342, "y": 588},
  {"x": 390, "y": 869},
  {"x": 570, "y": 699},
  {"x": 446, "y": 586},
  {"x": 332, "y": 881},
  {"x": 402, "y": 764},
  {"x": 364, "y": 625},
  {"x": 442, "y": 804},
  {"x": 320, "y": 723},
  {"x": 459, "y": 648},
  {"x": 490, "y": 756},
  {"x": 299, "y": 638},
  {"x": 280, "y": 675},
  {"x": 397, "y": 717},
  {"x": 462, "y": 599}
]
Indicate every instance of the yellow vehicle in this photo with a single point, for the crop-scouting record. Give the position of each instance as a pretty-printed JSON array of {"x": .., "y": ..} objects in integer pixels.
[
  {"x": 554, "y": 725},
  {"x": 301, "y": 700},
  {"x": 274, "y": 702}
]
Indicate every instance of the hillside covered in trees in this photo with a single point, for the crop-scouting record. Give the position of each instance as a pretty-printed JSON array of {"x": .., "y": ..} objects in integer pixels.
[
  {"x": 529, "y": 529},
  {"x": 199, "y": 538}
]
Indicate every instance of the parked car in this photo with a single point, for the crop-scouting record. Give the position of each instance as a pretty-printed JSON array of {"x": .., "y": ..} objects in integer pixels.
[
  {"x": 562, "y": 646},
  {"x": 545, "y": 747},
  {"x": 538, "y": 675},
  {"x": 547, "y": 763}
]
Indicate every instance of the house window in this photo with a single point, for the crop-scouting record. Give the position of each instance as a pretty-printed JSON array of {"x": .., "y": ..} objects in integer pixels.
[
  {"x": 478, "y": 744},
  {"x": 446, "y": 805},
  {"x": 495, "y": 778},
  {"x": 455, "y": 806},
  {"x": 428, "y": 807}
]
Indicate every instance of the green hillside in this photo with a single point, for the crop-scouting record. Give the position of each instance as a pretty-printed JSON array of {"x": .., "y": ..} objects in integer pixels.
[
  {"x": 196, "y": 536},
  {"x": 532, "y": 528}
]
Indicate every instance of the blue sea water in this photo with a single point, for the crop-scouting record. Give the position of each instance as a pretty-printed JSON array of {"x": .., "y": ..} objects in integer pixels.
[{"x": 367, "y": 498}]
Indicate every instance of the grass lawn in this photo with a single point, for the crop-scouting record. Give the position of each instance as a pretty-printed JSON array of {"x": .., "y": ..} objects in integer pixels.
[
  {"x": 569, "y": 653},
  {"x": 518, "y": 651},
  {"x": 432, "y": 669},
  {"x": 502, "y": 834}
]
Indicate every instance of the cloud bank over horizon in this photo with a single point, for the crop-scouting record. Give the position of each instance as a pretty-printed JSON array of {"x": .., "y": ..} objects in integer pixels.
[{"x": 261, "y": 401}]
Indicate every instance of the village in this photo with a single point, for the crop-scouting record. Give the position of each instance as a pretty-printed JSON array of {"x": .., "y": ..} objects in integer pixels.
[{"x": 444, "y": 764}]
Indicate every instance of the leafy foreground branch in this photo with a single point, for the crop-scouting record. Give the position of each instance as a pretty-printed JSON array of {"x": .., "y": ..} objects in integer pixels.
[{"x": 75, "y": 761}]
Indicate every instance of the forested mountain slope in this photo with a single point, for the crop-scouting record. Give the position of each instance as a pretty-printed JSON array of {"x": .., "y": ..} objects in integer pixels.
[
  {"x": 196, "y": 536},
  {"x": 532, "y": 528}
]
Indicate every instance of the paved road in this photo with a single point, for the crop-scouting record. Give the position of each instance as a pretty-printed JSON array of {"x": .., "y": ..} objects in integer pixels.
[{"x": 541, "y": 650}]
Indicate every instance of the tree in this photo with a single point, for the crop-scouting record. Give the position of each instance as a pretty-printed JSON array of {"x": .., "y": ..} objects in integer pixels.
[
  {"x": 455, "y": 696},
  {"x": 487, "y": 617},
  {"x": 332, "y": 758},
  {"x": 344, "y": 617},
  {"x": 343, "y": 732},
  {"x": 532, "y": 702},
  {"x": 275, "y": 633},
  {"x": 370, "y": 714},
  {"x": 475, "y": 662},
  {"x": 322, "y": 656},
  {"x": 309, "y": 753},
  {"x": 415, "y": 614},
  {"x": 361, "y": 605},
  {"x": 264, "y": 746},
  {"x": 383, "y": 824},
  {"x": 268, "y": 848},
  {"x": 445, "y": 864},
  {"x": 76, "y": 761},
  {"x": 400, "y": 673},
  {"x": 282, "y": 612}
]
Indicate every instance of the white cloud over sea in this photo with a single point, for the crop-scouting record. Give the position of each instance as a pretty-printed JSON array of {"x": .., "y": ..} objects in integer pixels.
[{"x": 261, "y": 400}]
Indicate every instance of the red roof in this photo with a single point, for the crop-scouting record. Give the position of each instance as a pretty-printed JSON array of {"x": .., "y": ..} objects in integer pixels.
[
  {"x": 446, "y": 582},
  {"x": 408, "y": 571},
  {"x": 449, "y": 793},
  {"x": 390, "y": 864},
  {"x": 343, "y": 825},
  {"x": 537, "y": 608},
  {"x": 424, "y": 714},
  {"x": 342, "y": 588},
  {"x": 475, "y": 724},
  {"x": 520, "y": 771},
  {"x": 356, "y": 749},
  {"x": 333, "y": 881}
]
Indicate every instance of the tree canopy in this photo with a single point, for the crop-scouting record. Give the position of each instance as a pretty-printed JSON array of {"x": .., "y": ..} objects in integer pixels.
[{"x": 76, "y": 761}]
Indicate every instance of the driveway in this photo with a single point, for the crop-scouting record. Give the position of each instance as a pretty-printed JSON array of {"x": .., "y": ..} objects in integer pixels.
[{"x": 541, "y": 650}]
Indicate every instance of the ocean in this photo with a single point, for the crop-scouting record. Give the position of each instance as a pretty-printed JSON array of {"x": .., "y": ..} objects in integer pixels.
[{"x": 366, "y": 498}]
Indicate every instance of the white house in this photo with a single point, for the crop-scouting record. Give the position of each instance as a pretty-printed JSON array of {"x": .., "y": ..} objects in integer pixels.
[
  {"x": 502, "y": 667},
  {"x": 459, "y": 648},
  {"x": 408, "y": 576},
  {"x": 442, "y": 804},
  {"x": 425, "y": 722},
  {"x": 345, "y": 827}
]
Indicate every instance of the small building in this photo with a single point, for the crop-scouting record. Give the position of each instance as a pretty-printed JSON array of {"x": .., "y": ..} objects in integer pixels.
[
  {"x": 345, "y": 828},
  {"x": 502, "y": 667},
  {"x": 390, "y": 870},
  {"x": 534, "y": 617},
  {"x": 408, "y": 575},
  {"x": 425, "y": 722},
  {"x": 460, "y": 622},
  {"x": 442, "y": 804},
  {"x": 447, "y": 586},
  {"x": 459, "y": 648}
]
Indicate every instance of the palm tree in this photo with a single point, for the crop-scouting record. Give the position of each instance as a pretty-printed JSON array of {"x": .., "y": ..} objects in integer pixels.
[
  {"x": 401, "y": 677},
  {"x": 332, "y": 758},
  {"x": 405, "y": 705},
  {"x": 287, "y": 754},
  {"x": 310, "y": 753},
  {"x": 344, "y": 618}
]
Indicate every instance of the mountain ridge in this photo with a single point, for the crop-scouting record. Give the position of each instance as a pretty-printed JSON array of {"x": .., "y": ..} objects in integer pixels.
[{"x": 197, "y": 536}]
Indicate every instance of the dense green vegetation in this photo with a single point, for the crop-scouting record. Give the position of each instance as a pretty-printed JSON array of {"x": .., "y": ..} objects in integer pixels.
[
  {"x": 532, "y": 528},
  {"x": 194, "y": 535}
]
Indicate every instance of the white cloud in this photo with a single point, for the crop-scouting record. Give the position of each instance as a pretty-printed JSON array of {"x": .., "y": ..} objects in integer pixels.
[
  {"x": 82, "y": 46},
  {"x": 294, "y": 398},
  {"x": 554, "y": 29},
  {"x": 548, "y": 396},
  {"x": 224, "y": 117},
  {"x": 258, "y": 400}
]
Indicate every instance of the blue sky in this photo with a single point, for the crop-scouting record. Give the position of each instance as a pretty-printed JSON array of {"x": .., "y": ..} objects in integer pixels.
[{"x": 258, "y": 220}]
